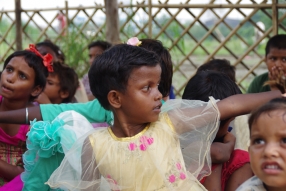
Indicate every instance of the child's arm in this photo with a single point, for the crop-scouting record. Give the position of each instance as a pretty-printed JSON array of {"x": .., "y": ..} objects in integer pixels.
[
  {"x": 220, "y": 152},
  {"x": 92, "y": 110},
  {"x": 213, "y": 181},
  {"x": 8, "y": 171},
  {"x": 244, "y": 103}
]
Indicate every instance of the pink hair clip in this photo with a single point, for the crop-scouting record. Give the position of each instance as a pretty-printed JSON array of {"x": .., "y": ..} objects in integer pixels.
[
  {"x": 134, "y": 41},
  {"x": 47, "y": 59}
]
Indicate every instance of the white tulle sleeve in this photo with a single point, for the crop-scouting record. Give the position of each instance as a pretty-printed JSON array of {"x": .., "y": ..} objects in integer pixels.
[{"x": 196, "y": 124}]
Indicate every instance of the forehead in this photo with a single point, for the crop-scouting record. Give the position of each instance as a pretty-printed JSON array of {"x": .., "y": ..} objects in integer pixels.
[
  {"x": 146, "y": 73},
  {"x": 95, "y": 50},
  {"x": 277, "y": 52},
  {"x": 270, "y": 122}
]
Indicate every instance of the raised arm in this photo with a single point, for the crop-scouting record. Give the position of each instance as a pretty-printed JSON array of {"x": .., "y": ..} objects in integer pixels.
[
  {"x": 244, "y": 103},
  {"x": 92, "y": 110}
]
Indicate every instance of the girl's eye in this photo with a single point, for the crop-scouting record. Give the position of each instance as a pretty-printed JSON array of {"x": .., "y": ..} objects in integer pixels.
[
  {"x": 283, "y": 140},
  {"x": 9, "y": 69},
  {"x": 283, "y": 59},
  {"x": 258, "y": 141},
  {"x": 146, "y": 88},
  {"x": 22, "y": 76}
]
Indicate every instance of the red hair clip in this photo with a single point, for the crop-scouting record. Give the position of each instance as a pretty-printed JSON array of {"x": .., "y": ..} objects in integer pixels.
[{"x": 47, "y": 59}]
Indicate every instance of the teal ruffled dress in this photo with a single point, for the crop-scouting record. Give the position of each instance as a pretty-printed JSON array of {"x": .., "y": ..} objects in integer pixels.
[{"x": 47, "y": 143}]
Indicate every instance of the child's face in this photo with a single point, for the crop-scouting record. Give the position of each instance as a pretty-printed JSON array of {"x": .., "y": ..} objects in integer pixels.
[
  {"x": 141, "y": 102},
  {"x": 268, "y": 148},
  {"x": 94, "y": 52},
  {"x": 17, "y": 80},
  {"x": 276, "y": 57},
  {"x": 45, "y": 50},
  {"x": 52, "y": 89}
]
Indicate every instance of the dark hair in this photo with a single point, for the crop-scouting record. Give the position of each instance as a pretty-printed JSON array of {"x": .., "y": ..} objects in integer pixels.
[
  {"x": 210, "y": 83},
  {"x": 220, "y": 65},
  {"x": 277, "y": 41},
  {"x": 165, "y": 63},
  {"x": 60, "y": 55},
  {"x": 275, "y": 104},
  {"x": 35, "y": 62},
  {"x": 111, "y": 70},
  {"x": 102, "y": 44},
  {"x": 68, "y": 80}
]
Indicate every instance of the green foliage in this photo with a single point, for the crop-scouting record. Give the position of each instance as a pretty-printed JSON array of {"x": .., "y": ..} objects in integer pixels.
[{"x": 74, "y": 46}]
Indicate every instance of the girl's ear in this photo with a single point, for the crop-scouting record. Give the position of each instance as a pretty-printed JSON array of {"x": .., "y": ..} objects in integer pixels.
[
  {"x": 114, "y": 99},
  {"x": 64, "y": 94},
  {"x": 36, "y": 91}
]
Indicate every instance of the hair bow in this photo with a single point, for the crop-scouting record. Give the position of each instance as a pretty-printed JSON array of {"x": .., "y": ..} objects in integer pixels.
[
  {"x": 134, "y": 41},
  {"x": 47, "y": 59}
]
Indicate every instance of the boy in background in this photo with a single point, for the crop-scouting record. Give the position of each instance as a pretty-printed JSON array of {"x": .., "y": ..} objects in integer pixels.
[
  {"x": 95, "y": 49},
  {"x": 275, "y": 56},
  {"x": 61, "y": 85}
]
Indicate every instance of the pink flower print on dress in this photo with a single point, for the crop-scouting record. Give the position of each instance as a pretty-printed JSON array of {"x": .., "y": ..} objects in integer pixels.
[
  {"x": 172, "y": 178},
  {"x": 182, "y": 176},
  {"x": 113, "y": 183},
  {"x": 146, "y": 141},
  {"x": 179, "y": 167},
  {"x": 132, "y": 146}
]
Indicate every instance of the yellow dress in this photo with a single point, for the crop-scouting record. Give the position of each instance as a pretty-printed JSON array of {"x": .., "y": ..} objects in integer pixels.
[{"x": 157, "y": 159}]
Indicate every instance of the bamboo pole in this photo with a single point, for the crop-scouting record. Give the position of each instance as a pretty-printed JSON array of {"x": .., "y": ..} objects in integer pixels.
[
  {"x": 112, "y": 21},
  {"x": 18, "y": 19},
  {"x": 274, "y": 17},
  {"x": 150, "y": 18}
]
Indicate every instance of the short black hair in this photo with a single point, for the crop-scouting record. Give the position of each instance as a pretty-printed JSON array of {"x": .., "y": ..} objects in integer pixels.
[
  {"x": 104, "y": 45},
  {"x": 278, "y": 41},
  {"x": 221, "y": 65},
  {"x": 210, "y": 83},
  {"x": 35, "y": 62},
  {"x": 54, "y": 47},
  {"x": 68, "y": 79},
  {"x": 274, "y": 104},
  {"x": 165, "y": 63},
  {"x": 111, "y": 70}
]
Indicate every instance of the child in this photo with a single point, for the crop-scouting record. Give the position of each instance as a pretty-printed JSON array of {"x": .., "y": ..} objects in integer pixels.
[
  {"x": 275, "y": 55},
  {"x": 23, "y": 78},
  {"x": 220, "y": 86},
  {"x": 47, "y": 46},
  {"x": 240, "y": 130},
  {"x": 61, "y": 85},
  {"x": 95, "y": 49},
  {"x": 143, "y": 150},
  {"x": 267, "y": 148},
  {"x": 220, "y": 65}
]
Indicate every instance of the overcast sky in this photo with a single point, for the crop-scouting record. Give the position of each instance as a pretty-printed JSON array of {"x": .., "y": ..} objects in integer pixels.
[{"x": 42, "y": 4}]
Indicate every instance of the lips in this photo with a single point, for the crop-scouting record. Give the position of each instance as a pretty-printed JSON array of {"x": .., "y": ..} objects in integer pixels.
[
  {"x": 158, "y": 108},
  {"x": 271, "y": 168},
  {"x": 6, "y": 89}
]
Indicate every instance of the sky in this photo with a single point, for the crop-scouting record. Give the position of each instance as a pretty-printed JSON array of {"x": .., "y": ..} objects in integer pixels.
[{"x": 183, "y": 16}]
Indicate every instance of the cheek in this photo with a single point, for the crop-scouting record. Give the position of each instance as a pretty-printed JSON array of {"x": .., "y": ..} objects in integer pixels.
[{"x": 270, "y": 65}]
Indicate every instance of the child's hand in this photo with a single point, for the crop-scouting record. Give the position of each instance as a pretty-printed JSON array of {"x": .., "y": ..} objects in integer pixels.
[
  {"x": 277, "y": 79},
  {"x": 229, "y": 138}
]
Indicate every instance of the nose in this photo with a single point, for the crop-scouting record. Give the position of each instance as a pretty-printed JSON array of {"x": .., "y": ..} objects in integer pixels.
[
  {"x": 10, "y": 78},
  {"x": 278, "y": 62},
  {"x": 271, "y": 150},
  {"x": 158, "y": 95}
]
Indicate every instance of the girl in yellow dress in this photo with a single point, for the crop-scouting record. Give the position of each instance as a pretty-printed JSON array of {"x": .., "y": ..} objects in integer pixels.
[{"x": 149, "y": 146}]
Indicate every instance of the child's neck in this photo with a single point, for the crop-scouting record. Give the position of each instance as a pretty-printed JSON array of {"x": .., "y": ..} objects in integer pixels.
[
  {"x": 123, "y": 129},
  {"x": 7, "y": 104}
]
